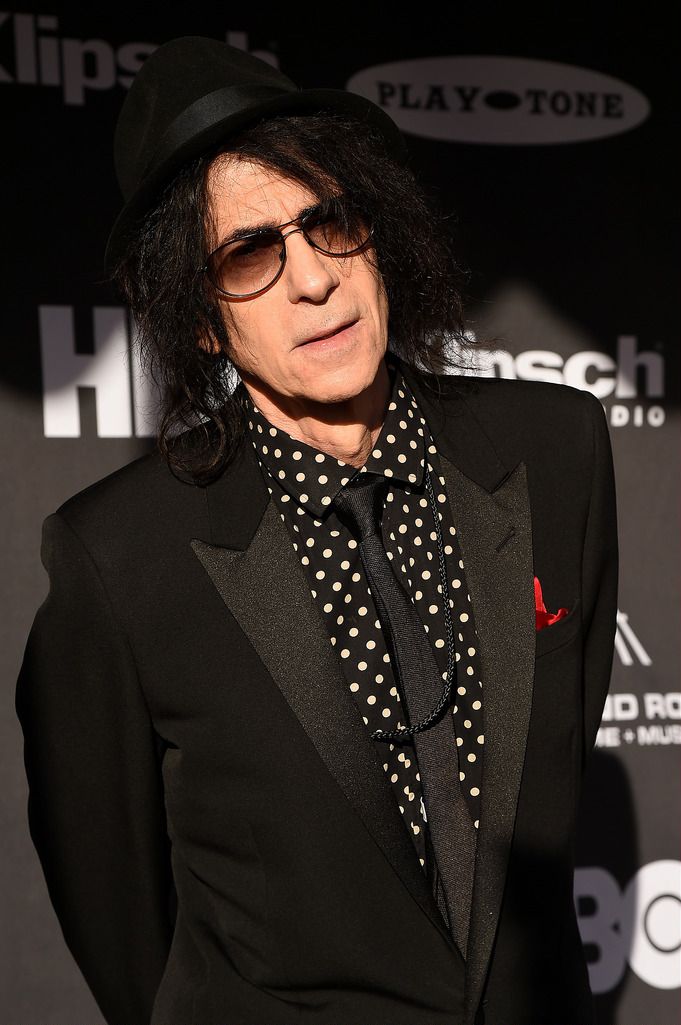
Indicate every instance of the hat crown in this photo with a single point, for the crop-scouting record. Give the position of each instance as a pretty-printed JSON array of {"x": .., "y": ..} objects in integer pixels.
[
  {"x": 194, "y": 93},
  {"x": 172, "y": 78}
]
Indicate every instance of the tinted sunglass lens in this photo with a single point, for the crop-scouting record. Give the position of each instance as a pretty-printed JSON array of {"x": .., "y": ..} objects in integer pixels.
[
  {"x": 247, "y": 265},
  {"x": 339, "y": 231}
]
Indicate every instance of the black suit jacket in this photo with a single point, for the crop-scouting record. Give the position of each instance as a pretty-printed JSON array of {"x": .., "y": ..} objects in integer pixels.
[{"x": 219, "y": 840}]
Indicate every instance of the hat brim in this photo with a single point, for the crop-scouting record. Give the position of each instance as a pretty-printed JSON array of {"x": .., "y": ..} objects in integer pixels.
[{"x": 303, "y": 100}]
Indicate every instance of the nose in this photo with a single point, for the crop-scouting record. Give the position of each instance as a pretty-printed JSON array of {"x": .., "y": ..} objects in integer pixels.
[{"x": 309, "y": 274}]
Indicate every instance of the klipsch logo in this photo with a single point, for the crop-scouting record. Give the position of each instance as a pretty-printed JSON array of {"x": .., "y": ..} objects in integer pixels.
[
  {"x": 630, "y": 375},
  {"x": 502, "y": 100},
  {"x": 38, "y": 55}
]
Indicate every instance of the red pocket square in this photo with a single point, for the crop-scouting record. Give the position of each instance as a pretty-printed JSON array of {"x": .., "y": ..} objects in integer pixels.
[{"x": 542, "y": 617}]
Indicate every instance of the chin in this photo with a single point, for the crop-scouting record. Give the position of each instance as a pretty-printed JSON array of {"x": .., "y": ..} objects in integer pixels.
[{"x": 343, "y": 383}]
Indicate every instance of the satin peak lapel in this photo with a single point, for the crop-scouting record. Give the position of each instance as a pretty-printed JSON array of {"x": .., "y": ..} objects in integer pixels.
[
  {"x": 264, "y": 587},
  {"x": 490, "y": 507},
  {"x": 496, "y": 543}
]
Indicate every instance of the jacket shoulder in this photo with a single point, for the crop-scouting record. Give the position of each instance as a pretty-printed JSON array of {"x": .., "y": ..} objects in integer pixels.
[
  {"x": 510, "y": 396},
  {"x": 129, "y": 485},
  {"x": 141, "y": 498},
  {"x": 546, "y": 424},
  {"x": 556, "y": 416},
  {"x": 538, "y": 403}
]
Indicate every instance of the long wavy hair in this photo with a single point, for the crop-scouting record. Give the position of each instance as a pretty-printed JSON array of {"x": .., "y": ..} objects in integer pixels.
[{"x": 174, "y": 305}]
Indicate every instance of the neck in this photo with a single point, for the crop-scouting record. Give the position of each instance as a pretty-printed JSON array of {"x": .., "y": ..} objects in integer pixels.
[{"x": 347, "y": 430}]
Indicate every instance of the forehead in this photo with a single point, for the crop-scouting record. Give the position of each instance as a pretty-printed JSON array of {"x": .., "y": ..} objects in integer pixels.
[{"x": 244, "y": 193}]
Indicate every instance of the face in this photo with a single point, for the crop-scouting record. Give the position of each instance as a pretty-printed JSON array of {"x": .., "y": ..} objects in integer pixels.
[{"x": 315, "y": 294}]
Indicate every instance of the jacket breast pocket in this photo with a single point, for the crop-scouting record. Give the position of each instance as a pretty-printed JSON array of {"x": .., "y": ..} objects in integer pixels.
[{"x": 559, "y": 633}]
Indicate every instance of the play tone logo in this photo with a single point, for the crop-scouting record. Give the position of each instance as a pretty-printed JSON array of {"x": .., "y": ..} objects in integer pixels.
[{"x": 501, "y": 100}]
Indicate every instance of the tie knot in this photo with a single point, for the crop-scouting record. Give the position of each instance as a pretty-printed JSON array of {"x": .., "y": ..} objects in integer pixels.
[{"x": 359, "y": 504}]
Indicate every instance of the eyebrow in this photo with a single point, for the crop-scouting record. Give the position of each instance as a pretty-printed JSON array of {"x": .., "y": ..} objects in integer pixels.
[{"x": 251, "y": 229}]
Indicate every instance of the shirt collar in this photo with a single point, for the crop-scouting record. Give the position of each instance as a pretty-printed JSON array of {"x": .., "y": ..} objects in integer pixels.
[{"x": 313, "y": 478}]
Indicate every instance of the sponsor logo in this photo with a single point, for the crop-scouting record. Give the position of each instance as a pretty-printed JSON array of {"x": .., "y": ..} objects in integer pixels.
[
  {"x": 39, "y": 56},
  {"x": 661, "y": 712},
  {"x": 627, "y": 644},
  {"x": 651, "y": 719},
  {"x": 501, "y": 100},
  {"x": 125, "y": 399},
  {"x": 652, "y": 705},
  {"x": 632, "y": 374},
  {"x": 639, "y": 926}
]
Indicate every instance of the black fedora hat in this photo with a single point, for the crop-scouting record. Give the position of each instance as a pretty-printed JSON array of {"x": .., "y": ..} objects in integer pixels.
[{"x": 190, "y": 94}]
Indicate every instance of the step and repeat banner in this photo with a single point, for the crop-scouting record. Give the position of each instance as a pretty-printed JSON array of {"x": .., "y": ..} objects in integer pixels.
[{"x": 550, "y": 143}]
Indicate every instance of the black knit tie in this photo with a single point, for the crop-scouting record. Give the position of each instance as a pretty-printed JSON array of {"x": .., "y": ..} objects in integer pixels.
[{"x": 359, "y": 504}]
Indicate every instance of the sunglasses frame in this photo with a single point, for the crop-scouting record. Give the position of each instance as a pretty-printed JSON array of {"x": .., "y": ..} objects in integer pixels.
[{"x": 300, "y": 222}]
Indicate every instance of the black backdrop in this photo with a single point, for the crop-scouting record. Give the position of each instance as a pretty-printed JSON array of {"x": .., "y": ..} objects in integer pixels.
[{"x": 560, "y": 186}]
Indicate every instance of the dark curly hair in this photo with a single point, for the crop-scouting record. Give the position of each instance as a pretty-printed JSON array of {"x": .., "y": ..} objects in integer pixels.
[{"x": 174, "y": 305}]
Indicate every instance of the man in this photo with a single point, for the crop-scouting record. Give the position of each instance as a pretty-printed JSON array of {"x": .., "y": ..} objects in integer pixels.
[{"x": 308, "y": 706}]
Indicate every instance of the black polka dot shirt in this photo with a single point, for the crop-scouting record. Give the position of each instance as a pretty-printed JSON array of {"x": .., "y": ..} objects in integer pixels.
[{"x": 303, "y": 482}]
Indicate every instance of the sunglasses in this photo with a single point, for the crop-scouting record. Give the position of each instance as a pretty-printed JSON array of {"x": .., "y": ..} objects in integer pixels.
[{"x": 246, "y": 266}]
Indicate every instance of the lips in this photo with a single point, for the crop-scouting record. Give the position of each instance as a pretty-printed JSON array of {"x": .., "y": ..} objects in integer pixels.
[{"x": 329, "y": 333}]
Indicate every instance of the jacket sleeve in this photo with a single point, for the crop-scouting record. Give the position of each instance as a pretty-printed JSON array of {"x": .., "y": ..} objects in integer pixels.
[
  {"x": 599, "y": 577},
  {"x": 95, "y": 808}
]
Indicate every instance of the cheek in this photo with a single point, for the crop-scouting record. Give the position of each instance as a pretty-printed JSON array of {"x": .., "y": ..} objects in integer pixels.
[
  {"x": 238, "y": 322},
  {"x": 239, "y": 348},
  {"x": 253, "y": 332},
  {"x": 367, "y": 281}
]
